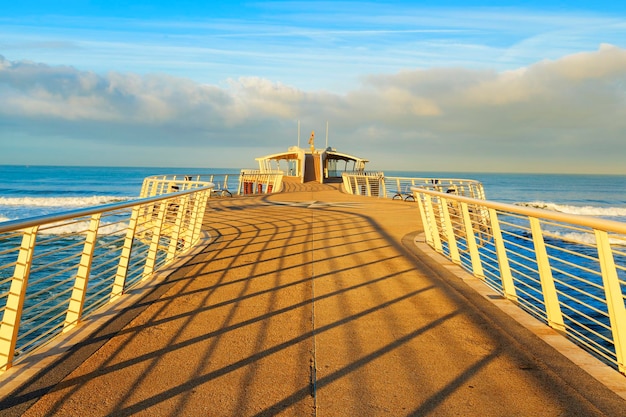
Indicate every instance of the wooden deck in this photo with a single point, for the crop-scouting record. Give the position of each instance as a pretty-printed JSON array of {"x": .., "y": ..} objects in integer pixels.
[{"x": 313, "y": 302}]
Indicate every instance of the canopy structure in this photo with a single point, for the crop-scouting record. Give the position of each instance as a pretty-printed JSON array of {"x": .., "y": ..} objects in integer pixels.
[
  {"x": 322, "y": 165},
  {"x": 333, "y": 157},
  {"x": 291, "y": 163}
]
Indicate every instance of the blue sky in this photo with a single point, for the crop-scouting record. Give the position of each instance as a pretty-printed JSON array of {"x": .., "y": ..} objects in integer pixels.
[{"x": 449, "y": 86}]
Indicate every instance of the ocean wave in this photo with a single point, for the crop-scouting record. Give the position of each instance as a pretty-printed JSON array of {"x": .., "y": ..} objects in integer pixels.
[
  {"x": 78, "y": 227},
  {"x": 584, "y": 238},
  {"x": 82, "y": 227},
  {"x": 580, "y": 210},
  {"x": 60, "y": 201}
]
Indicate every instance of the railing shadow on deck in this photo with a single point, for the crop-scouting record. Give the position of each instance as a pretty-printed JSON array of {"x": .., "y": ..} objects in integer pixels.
[{"x": 227, "y": 249}]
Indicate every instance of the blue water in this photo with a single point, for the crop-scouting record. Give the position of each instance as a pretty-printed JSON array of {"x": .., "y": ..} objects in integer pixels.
[
  {"x": 27, "y": 191},
  {"x": 593, "y": 195},
  {"x": 39, "y": 190}
]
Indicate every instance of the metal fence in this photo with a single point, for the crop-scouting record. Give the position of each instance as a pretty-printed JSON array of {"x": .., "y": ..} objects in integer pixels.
[
  {"x": 252, "y": 181},
  {"x": 57, "y": 270},
  {"x": 376, "y": 184},
  {"x": 568, "y": 271},
  {"x": 223, "y": 184}
]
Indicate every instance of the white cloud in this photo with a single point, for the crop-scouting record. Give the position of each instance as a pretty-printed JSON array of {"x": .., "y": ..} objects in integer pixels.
[{"x": 566, "y": 114}]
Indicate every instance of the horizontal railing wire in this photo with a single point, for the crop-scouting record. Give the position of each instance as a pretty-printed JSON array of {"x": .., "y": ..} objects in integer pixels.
[
  {"x": 376, "y": 184},
  {"x": 558, "y": 270},
  {"x": 77, "y": 260}
]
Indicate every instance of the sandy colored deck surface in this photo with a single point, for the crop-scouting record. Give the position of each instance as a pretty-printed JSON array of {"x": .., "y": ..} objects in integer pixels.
[{"x": 310, "y": 303}]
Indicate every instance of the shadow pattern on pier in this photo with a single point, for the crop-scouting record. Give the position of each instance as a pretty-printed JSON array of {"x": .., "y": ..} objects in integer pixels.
[{"x": 300, "y": 311}]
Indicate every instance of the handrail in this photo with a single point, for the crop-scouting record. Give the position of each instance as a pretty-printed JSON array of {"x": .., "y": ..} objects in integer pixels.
[
  {"x": 248, "y": 182},
  {"x": 161, "y": 184},
  {"x": 57, "y": 270},
  {"x": 254, "y": 181},
  {"x": 566, "y": 270},
  {"x": 376, "y": 184},
  {"x": 578, "y": 219},
  {"x": 14, "y": 225}
]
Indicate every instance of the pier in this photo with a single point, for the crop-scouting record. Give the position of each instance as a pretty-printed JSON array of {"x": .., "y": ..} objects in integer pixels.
[{"x": 314, "y": 302}]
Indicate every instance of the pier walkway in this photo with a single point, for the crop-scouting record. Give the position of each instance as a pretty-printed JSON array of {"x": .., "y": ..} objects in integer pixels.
[{"x": 317, "y": 303}]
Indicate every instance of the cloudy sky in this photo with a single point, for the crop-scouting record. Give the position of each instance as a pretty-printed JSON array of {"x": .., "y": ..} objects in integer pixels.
[{"x": 424, "y": 86}]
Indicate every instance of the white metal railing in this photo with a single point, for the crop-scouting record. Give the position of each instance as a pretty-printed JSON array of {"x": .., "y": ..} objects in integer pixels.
[
  {"x": 567, "y": 270},
  {"x": 161, "y": 184},
  {"x": 364, "y": 183},
  {"x": 252, "y": 181},
  {"x": 376, "y": 184},
  {"x": 58, "y": 269}
]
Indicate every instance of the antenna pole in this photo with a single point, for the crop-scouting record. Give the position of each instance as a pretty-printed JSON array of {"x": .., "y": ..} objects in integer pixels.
[
  {"x": 326, "y": 134},
  {"x": 298, "y": 133}
]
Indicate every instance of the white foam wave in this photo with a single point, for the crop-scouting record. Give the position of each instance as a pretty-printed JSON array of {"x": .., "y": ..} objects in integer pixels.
[
  {"x": 4, "y": 219},
  {"x": 60, "y": 201},
  {"x": 580, "y": 210},
  {"x": 584, "y": 238},
  {"x": 82, "y": 227}
]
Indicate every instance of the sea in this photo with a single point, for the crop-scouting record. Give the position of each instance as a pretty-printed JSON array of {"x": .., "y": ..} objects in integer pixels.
[{"x": 28, "y": 191}]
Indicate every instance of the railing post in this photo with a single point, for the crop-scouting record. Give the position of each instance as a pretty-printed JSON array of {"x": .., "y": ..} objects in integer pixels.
[
  {"x": 142, "y": 192},
  {"x": 278, "y": 183},
  {"x": 477, "y": 266},
  {"x": 384, "y": 187},
  {"x": 614, "y": 297},
  {"x": 119, "y": 282},
  {"x": 425, "y": 220},
  {"x": 10, "y": 325},
  {"x": 199, "y": 208},
  {"x": 449, "y": 231},
  {"x": 154, "y": 243},
  {"x": 77, "y": 299},
  {"x": 430, "y": 213},
  {"x": 188, "y": 237},
  {"x": 550, "y": 296},
  {"x": 181, "y": 208},
  {"x": 204, "y": 202},
  {"x": 508, "y": 286}
]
